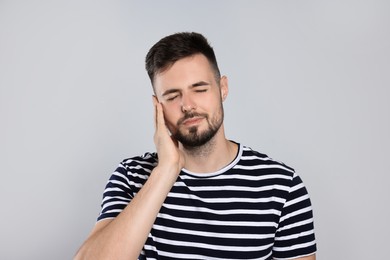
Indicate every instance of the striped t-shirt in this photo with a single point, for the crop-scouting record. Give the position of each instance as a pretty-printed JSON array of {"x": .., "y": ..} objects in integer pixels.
[{"x": 254, "y": 208}]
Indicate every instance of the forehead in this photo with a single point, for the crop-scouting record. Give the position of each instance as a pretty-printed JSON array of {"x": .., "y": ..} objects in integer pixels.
[{"x": 183, "y": 73}]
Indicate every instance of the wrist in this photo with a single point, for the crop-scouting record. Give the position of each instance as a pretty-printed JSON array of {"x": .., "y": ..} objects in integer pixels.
[{"x": 167, "y": 171}]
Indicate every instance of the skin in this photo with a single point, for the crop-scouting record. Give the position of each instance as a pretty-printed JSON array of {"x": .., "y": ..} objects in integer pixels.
[{"x": 188, "y": 86}]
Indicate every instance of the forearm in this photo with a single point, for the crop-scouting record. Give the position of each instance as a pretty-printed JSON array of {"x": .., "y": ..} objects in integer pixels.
[{"x": 124, "y": 237}]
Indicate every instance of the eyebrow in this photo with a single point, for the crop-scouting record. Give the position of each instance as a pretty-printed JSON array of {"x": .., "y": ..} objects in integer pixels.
[
  {"x": 199, "y": 84},
  {"x": 174, "y": 90},
  {"x": 170, "y": 91}
]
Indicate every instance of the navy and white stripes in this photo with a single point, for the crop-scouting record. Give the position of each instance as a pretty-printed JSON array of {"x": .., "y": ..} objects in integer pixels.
[{"x": 254, "y": 208}]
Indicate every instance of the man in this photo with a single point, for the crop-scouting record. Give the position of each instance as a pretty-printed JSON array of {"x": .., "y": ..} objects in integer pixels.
[{"x": 200, "y": 196}]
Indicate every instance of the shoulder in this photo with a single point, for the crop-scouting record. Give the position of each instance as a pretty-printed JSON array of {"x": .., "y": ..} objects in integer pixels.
[
  {"x": 136, "y": 166},
  {"x": 131, "y": 173},
  {"x": 252, "y": 159},
  {"x": 147, "y": 160}
]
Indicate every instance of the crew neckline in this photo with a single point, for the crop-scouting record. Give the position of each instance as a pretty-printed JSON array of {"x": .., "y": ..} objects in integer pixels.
[{"x": 220, "y": 171}]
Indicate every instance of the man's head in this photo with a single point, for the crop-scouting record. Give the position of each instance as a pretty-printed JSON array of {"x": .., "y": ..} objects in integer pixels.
[
  {"x": 187, "y": 82},
  {"x": 175, "y": 47}
]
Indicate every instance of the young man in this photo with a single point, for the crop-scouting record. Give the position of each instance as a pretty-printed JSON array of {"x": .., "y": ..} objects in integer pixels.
[{"x": 200, "y": 196}]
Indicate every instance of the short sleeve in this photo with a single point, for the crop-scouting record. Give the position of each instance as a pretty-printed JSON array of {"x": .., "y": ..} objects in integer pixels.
[
  {"x": 117, "y": 194},
  {"x": 295, "y": 234},
  {"x": 124, "y": 184}
]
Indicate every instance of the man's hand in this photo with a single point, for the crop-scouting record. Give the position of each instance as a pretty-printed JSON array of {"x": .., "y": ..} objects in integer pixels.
[{"x": 169, "y": 154}]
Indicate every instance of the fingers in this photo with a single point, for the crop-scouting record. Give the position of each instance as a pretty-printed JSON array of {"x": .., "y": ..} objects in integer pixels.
[
  {"x": 159, "y": 121},
  {"x": 167, "y": 146},
  {"x": 155, "y": 101}
]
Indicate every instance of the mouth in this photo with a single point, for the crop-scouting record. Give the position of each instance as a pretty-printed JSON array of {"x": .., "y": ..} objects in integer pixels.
[{"x": 192, "y": 121}]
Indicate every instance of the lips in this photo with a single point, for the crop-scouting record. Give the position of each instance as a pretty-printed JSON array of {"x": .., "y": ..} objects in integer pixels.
[{"x": 192, "y": 120}]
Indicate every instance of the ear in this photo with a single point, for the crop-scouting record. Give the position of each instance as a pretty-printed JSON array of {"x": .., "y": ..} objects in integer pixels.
[{"x": 224, "y": 87}]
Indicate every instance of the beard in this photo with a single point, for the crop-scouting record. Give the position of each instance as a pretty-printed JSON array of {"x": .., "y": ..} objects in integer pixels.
[{"x": 195, "y": 137}]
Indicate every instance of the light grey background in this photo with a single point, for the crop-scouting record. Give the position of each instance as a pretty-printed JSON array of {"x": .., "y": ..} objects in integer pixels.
[{"x": 309, "y": 85}]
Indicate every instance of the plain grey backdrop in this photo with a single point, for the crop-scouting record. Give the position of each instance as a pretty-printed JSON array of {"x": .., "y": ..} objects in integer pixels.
[{"x": 309, "y": 85}]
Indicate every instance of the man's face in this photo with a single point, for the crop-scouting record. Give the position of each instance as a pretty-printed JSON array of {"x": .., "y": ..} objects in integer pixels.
[{"x": 191, "y": 99}]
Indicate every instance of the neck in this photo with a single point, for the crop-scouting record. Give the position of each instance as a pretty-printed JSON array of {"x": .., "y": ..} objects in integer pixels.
[{"x": 210, "y": 157}]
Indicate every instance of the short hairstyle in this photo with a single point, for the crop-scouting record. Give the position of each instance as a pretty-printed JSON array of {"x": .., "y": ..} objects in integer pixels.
[{"x": 177, "y": 46}]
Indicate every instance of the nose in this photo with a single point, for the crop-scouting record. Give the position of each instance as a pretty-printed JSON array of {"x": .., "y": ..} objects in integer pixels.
[{"x": 188, "y": 103}]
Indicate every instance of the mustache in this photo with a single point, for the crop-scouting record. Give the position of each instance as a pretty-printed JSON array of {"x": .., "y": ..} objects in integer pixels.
[{"x": 189, "y": 115}]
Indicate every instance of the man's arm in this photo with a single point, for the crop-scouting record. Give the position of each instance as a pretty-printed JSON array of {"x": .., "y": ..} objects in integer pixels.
[
  {"x": 124, "y": 236},
  {"x": 310, "y": 257}
]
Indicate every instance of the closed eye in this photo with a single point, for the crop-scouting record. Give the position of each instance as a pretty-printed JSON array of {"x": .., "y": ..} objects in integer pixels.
[{"x": 171, "y": 98}]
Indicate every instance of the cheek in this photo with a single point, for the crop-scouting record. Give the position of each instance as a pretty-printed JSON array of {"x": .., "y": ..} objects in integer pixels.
[
  {"x": 218, "y": 111},
  {"x": 215, "y": 104},
  {"x": 170, "y": 116}
]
